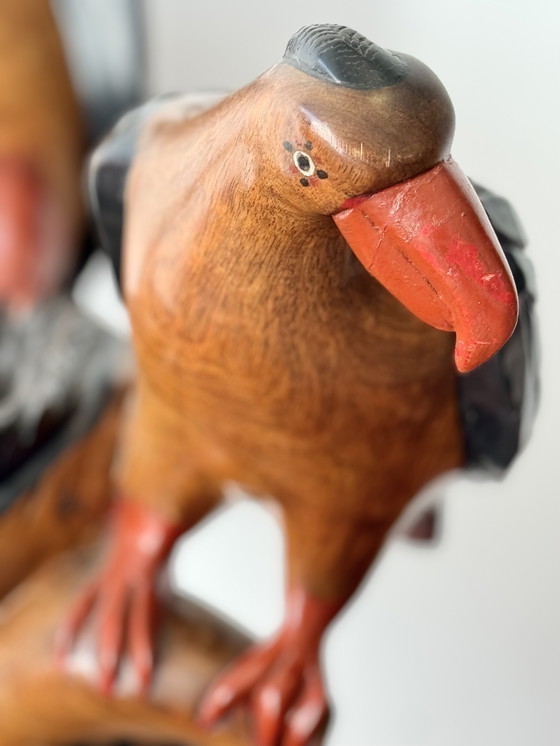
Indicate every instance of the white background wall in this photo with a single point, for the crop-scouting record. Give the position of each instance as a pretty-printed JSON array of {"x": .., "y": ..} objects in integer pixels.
[{"x": 459, "y": 644}]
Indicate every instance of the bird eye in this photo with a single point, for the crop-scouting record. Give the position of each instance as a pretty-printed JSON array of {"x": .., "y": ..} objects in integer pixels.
[{"x": 304, "y": 163}]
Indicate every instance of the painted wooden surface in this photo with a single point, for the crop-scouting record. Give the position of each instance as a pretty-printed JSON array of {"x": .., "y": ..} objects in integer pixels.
[
  {"x": 270, "y": 357},
  {"x": 41, "y": 148}
]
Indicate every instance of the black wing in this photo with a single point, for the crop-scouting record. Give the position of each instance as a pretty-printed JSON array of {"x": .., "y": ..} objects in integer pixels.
[
  {"x": 110, "y": 163},
  {"x": 107, "y": 174},
  {"x": 498, "y": 400}
]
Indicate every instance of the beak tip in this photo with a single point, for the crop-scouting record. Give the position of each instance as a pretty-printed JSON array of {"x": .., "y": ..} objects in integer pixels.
[
  {"x": 469, "y": 355},
  {"x": 464, "y": 365}
]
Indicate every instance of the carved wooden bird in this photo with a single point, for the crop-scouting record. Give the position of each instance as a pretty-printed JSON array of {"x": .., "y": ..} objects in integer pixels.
[{"x": 302, "y": 264}]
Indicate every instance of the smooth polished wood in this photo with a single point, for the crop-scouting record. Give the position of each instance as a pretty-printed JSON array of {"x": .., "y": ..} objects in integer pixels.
[{"x": 268, "y": 354}]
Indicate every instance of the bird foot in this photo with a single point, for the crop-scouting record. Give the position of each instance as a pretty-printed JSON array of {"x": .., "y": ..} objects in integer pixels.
[
  {"x": 122, "y": 599},
  {"x": 282, "y": 687},
  {"x": 279, "y": 681}
]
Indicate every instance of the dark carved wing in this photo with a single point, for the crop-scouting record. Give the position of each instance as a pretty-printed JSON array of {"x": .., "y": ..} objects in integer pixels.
[
  {"x": 107, "y": 174},
  {"x": 110, "y": 163},
  {"x": 499, "y": 399}
]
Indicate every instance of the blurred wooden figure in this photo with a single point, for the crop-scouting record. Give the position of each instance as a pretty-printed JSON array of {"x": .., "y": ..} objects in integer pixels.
[{"x": 41, "y": 149}]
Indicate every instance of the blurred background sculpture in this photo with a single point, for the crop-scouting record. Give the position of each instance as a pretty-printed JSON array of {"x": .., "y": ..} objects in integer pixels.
[
  {"x": 41, "y": 147},
  {"x": 54, "y": 104},
  {"x": 267, "y": 355}
]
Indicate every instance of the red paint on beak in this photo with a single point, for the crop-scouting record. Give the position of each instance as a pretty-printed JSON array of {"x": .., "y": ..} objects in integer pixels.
[{"x": 430, "y": 243}]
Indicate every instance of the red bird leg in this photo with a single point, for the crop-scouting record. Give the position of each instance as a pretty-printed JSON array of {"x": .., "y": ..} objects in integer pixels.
[
  {"x": 282, "y": 678},
  {"x": 34, "y": 244},
  {"x": 123, "y": 595}
]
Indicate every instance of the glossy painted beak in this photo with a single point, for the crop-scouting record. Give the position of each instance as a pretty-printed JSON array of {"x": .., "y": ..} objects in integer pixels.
[{"x": 430, "y": 243}]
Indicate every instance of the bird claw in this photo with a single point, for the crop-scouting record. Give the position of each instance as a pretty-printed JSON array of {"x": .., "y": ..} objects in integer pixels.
[
  {"x": 282, "y": 687},
  {"x": 123, "y": 597},
  {"x": 124, "y": 610}
]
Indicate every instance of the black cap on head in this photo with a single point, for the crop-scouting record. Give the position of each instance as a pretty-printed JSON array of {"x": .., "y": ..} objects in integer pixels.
[{"x": 339, "y": 55}]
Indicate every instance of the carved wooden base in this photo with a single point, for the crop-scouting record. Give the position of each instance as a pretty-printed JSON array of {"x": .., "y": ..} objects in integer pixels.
[{"x": 39, "y": 704}]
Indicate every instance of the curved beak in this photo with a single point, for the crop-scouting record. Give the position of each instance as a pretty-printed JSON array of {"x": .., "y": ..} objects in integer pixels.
[{"x": 430, "y": 243}]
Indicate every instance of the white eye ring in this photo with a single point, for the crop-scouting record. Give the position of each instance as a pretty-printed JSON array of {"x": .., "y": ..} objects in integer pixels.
[{"x": 304, "y": 163}]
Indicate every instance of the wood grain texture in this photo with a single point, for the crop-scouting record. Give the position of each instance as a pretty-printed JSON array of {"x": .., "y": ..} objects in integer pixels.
[{"x": 267, "y": 354}]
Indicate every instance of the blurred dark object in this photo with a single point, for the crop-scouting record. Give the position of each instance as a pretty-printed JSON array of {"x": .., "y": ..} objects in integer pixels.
[
  {"x": 57, "y": 369},
  {"x": 105, "y": 47},
  {"x": 499, "y": 399}
]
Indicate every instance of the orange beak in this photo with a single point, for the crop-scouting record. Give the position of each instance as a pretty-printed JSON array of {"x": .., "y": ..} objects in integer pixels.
[{"x": 430, "y": 243}]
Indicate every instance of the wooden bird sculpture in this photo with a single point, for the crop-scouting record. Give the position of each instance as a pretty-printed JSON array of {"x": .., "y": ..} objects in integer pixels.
[{"x": 303, "y": 263}]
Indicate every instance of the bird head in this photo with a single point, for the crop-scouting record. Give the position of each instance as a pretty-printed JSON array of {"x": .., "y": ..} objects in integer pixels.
[{"x": 365, "y": 138}]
